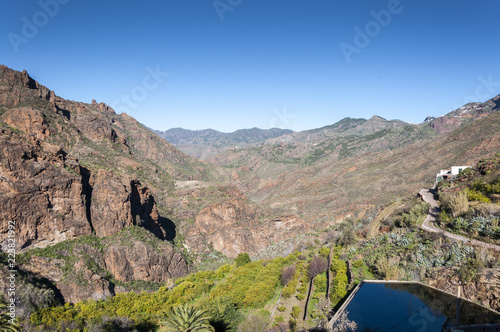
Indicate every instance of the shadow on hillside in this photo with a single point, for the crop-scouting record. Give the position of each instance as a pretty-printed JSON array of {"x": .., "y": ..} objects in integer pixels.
[
  {"x": 168, "y": 227},
  {"x": 41, "y": 283},
  {"x": 143, "y": 209}
]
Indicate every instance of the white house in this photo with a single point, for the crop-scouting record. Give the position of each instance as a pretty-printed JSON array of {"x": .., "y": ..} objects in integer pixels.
[
  {"x": 448, "y": 173},
  {"x": 455, "y": 170}
]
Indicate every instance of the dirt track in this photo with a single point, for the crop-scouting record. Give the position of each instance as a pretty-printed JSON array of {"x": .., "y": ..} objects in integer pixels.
[{"x": 429, "y": 226}]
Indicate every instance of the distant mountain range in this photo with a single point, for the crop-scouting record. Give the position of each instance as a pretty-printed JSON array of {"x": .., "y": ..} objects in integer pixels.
[
  {"x": 203, "y": 143},
  {"x": 208, "y": 142}
]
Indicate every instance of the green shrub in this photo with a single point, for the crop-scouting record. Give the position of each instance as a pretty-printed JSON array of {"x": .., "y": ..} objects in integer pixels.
[
  {"x": 325, "y": 251},
  {"x": 300, "y": 297},
  {"x": 320, "y": 283},
  {"x": 357, "y": 263},
  {"x": 295, "y": 312},
  {"x": 473, "y": 195},
  {"x": 281, "y": 308},
  {"x": 223, "y": 270},
  {"x": 302, "y": 289},
  {"x": 242, "y": 259},
  {"x": 339, "y": 281}
]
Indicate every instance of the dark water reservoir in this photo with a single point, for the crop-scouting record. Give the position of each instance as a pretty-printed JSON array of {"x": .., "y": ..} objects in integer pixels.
[{"x": 408, "y": 307}]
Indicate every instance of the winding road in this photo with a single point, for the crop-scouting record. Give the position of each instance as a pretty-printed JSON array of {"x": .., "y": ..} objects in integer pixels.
[{"x": 428, "y": 224}]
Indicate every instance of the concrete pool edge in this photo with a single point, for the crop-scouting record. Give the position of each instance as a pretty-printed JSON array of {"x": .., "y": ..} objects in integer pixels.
[{"x": 356, "y": 289}]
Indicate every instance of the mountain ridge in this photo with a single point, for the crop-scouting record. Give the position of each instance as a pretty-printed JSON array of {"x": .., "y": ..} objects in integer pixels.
[{"x": 202, "y": 143}]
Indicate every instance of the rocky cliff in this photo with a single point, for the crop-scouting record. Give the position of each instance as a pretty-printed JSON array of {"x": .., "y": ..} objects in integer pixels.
[
  {"x": 71, "y": 170},
  {"x": 232, "y": 227}
]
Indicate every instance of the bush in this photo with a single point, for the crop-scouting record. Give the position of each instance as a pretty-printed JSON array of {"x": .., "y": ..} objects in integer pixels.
[
  {"x": 325, "y": 251},
  {"x": 111, "y": 324},
  {"x": 473, "y": 195},
  {"x": 320, "y": 283},
  {"x": 456, "y": 204},
  {"x": 32, "y": 298},
  {"x": 300, "y": 297},
  {"x": 221, "y": 271},
  {"x": 387, "y": 268},
  {"x": 287, "y": 274},
  {"x": 471, "y": 270},
  {"x": 242, "y": 259},
  {"x": 281, "y": 308},
  {"x": 302, "y": 289},
  {"x": 339, "y": 281},
  {"x": 484, "y": 226},
  {"x": 295, "y": 312}
]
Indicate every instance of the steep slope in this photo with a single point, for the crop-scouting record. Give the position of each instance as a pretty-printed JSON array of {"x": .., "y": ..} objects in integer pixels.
[{"x": 204, "y": 143}]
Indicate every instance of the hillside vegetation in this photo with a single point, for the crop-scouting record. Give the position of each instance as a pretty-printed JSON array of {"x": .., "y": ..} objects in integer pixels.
[
  {"x": 204, "y": 143},
  {"x": 469, "y": 203}
]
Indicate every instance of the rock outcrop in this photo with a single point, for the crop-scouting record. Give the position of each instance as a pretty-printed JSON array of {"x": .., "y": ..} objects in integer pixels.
[
  {"x": 232, "y": 227},
  {"x": 16, "y": 87},
  {"x": 140, "y": 261},
  {"x": 41, "y": 192}
]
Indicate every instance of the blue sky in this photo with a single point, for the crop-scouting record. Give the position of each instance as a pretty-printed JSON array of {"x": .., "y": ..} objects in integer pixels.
[{"x": 236, "y": 64}]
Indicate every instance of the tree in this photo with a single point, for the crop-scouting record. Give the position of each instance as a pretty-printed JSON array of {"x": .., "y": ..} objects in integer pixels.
[
  {"x": 287, "y": 274},
  {"x": 6, "y": 324},
  {"x": 187, "y": 318},
  {"x": 316, "y": 266},
  {"x": 242, "y": 259},
  {"x": 343, "y": 324}
]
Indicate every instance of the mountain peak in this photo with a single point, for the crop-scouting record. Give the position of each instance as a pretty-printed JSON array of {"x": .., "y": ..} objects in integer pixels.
[{"x": 377, "y": 118}]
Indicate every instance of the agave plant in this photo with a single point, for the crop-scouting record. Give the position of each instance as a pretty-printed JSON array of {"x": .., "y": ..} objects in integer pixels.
[
  {"x": 5, "y": 324},
  {"x": 187, "y": 318}
]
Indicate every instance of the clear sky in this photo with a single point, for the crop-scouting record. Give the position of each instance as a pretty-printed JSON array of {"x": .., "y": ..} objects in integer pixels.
[{"x": 232, "y": 64}]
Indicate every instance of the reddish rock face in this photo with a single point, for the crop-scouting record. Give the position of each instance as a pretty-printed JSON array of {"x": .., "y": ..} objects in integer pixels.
[
  {"x": 143, "y": 262},
  {"x": 445, "y": 124},
  {"x": 126, "y": 259},
  {"x": 16, "y": 87},
  {"x": 231, "y": 227},
  {"x": 39, "y": 193},
  {"x": 27, "y": 119},
  {"x": 110, "y": 208}
]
